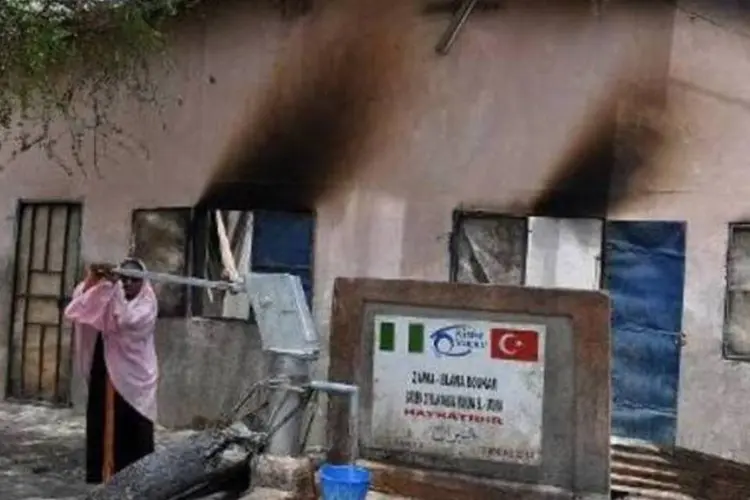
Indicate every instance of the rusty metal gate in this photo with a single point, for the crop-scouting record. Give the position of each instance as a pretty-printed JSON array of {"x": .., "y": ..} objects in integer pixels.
[{"x": 46, "y": 269}]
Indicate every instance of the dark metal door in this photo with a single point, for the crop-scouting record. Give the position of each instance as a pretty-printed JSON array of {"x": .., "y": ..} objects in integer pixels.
[
  {"x": 46, "y": 269},
  {"x": 645, "y": 275}
]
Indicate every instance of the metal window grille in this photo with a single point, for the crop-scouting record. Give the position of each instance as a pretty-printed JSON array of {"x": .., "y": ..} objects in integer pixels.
[{"x": 46, "y": 271}]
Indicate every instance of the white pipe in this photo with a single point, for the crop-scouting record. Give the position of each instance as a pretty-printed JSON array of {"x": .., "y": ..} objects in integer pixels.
[
  {"x": 353, "y": 392},
  {"x": 326, "y": 386}
]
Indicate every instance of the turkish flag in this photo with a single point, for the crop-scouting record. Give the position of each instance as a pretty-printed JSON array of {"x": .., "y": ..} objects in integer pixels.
[{"x": 516, "y": 345}]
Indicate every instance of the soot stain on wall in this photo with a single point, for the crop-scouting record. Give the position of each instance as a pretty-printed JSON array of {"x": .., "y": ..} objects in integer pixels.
[
  {"x": 579, "y": 186},
  {"x": 328, "y": 96},
  {"x": 597, "y": 172}
]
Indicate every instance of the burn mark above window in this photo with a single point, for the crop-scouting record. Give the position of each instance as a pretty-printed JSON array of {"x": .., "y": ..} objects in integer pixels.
[{"x": 580, "y": 186}]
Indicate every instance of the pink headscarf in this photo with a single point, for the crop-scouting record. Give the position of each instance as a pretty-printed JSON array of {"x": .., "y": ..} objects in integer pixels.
[{"x": 127, "y": 329}]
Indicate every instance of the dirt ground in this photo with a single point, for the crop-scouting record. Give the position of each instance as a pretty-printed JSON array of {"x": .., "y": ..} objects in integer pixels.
[{"x": 42, "y": 454}]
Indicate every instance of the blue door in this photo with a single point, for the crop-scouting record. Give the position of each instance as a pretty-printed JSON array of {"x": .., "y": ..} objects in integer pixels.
[{"x": 644, "y": 271}]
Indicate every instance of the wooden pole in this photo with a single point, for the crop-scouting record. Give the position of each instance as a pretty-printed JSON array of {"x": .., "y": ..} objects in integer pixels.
[
  {"x": 225, "y": 248},
  {"x": 108, "y": 462},
  {"x": 95, "y": 275}
]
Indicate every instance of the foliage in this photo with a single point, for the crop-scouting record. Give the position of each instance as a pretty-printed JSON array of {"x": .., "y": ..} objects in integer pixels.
[{"x": 63, "y": 64}]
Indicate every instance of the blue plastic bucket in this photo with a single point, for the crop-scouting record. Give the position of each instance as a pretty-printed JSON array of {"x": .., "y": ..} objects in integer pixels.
[{"x": 344, "y": 482}]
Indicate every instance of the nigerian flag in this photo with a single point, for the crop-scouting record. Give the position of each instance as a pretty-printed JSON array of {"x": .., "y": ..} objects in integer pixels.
[{"x": 392, "y": 337}]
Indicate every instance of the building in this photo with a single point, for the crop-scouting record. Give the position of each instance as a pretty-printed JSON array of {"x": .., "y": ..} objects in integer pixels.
[{"x": 497, "y": 162}]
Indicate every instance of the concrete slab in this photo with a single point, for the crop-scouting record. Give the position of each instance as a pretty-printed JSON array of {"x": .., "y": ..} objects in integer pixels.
[
  {"x": 267, "y": 494},
  {"x": 272, "y": 494}
]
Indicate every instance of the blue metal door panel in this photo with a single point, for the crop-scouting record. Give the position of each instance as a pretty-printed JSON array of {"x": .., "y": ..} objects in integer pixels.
[{"x": 645, "y": 274}]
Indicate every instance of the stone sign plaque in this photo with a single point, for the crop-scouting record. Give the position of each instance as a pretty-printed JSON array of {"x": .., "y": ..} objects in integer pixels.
[
  {"x": 473, "y": 391},
  {"x": 470, "y": 389}
]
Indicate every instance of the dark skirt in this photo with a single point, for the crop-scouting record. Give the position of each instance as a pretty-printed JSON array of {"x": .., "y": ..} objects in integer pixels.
[{"x": 133, "y": 433}]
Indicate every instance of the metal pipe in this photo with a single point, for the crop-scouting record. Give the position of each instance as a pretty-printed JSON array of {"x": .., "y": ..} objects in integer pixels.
[
  {"x": 353, "y": 392},
  {"x": 458, "y": 21},
  {"x": 326, "y": 386},
  {"x": 290, "y": 370},
  {"x": 233, "y": 286}
]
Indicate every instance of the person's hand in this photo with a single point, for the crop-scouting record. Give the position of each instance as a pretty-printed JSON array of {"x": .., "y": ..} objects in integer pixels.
[
  {"x": 100, "y": 271},
  {"x": 93, "y": 276}
]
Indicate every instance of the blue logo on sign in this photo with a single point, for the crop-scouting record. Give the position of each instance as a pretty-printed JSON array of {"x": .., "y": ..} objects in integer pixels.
[{"x": 457, "y": 341}]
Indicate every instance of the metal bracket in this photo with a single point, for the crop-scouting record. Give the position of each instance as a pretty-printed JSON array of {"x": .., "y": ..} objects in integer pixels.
[{"x": 284, "y": 320}]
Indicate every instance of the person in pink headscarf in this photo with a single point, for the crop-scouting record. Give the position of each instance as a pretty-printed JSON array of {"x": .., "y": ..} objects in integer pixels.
[{"x": 114, "y": 319}]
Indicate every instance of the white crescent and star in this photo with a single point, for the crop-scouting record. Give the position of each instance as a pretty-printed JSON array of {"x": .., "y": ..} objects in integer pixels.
[{"x": 510, "y": 350}]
